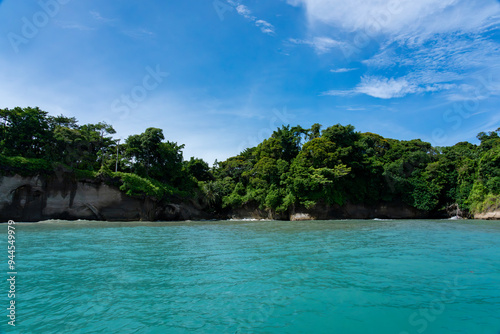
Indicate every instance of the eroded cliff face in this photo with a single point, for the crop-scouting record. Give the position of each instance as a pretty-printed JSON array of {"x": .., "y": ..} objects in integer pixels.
[
  {"x": 489, "y": 215},
  {"x": 61, "y": 196},
  {"x": 360, "y": 211},
  {"x": 347, "y": 211}
]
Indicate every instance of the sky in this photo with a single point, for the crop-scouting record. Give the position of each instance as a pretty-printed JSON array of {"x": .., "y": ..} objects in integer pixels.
[{"x": 221, "y": 75}]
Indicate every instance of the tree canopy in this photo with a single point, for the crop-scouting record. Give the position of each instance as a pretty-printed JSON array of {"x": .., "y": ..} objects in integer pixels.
[{"x": 294, "y": 167}]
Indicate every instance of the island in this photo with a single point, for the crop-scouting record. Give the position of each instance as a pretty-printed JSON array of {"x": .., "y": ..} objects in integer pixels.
[{"x": 51, "y": 167}]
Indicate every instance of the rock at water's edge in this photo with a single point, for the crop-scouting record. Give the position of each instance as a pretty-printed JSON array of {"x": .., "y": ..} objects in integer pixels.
[
  {"x": 61, "y": 196},
  {"x": 492, "y": 215},
  {"x": 300, "y": 217}
]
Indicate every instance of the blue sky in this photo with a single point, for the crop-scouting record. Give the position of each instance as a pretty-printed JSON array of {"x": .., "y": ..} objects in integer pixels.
[{"x": 220, "y": 76}]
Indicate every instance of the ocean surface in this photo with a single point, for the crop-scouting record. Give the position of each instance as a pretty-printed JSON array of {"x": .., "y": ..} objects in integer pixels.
[{"x": 377, "y": 276}]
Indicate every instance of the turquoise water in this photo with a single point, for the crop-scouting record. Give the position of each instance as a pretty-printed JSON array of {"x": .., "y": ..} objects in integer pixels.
[{"x": 256, "y": 277}]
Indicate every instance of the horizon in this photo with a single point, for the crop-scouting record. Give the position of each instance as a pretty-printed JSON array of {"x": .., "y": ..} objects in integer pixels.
[{"x": 222, "y": 75}]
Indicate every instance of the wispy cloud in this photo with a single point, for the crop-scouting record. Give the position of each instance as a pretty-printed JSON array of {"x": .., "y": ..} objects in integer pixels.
[
  {"x": 388, "y": 88},
  {"x": 403, "y": 19},
  {"x": 482, "y": 89},
  {"x": 74, "y": 26},
  {"x": 265, "y": 27},
  {"x": 451, "y": 53},
  {"x": 245, "y": 12},
  {"x": 343, "y": 70},
  {"x": 320, "y": 44},
  {"x": 98, "y": 17},
  {"x": 447, "y": 59},
  {"x": 136, "y": 33},
  {"x": 440, "y": 44}
]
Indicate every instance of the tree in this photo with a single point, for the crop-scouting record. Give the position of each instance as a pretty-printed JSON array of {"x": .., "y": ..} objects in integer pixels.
[
  {"x": 24, "y": 132},
  {"x": 144, "y": 150},
  {"x": 198, "y": 169},
  {"x": 151, "y": 157},
  {"x": 342, "y": 136},
  {"x": 314, "y": 132},
  {"x": 284, "y": 144}
]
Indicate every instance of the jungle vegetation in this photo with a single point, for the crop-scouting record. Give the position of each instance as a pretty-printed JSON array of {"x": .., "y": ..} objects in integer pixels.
[{"x": 295, "y": 167}]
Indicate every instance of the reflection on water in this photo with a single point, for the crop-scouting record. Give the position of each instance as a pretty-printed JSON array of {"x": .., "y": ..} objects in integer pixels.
[{"x": 383, "y": 276}]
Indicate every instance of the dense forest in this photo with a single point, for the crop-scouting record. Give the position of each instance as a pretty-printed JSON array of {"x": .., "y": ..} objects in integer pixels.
[{"x": 295, "y": 167}]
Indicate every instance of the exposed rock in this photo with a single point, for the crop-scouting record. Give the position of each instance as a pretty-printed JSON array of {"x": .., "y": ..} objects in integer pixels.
[
  {"x": 454, "y": 211},
  {"x": 361, "y": 211},
  {"x": 491, "y": 215},
  {"x": 182, "y": 211},
  {"x": 300, "y": 217},
  {"x": 250, "y": 211},
  {"x": 347, "y": 211},
  {"x": 61, "y": 196}
]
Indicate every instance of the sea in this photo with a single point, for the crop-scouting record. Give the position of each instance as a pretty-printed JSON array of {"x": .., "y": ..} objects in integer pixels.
[{"x": 347, "y": 276}]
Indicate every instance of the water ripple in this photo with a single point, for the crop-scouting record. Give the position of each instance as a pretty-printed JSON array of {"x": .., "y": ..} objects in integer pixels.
[{"x": 258, "y": 277}]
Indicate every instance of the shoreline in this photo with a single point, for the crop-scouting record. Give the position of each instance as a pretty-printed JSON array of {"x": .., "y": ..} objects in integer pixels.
[
  {"x": 39, "y": 198},
  {"x": 245, "y": 220}
]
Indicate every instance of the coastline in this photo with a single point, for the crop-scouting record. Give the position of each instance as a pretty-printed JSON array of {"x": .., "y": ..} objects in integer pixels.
[{"x": 63, "y": 197}]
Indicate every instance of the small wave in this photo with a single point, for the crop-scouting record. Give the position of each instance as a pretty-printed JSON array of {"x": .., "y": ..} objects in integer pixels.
[{"x": 250, "y": 220}]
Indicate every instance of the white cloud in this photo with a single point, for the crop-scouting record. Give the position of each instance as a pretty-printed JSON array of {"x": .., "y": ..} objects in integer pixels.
[
  {"x": 440, "y": 44},
  {"x": 447, "y": 59},
  {"x": 98, "y": 17},
  {"x": 73, "y": 25},
  {"x": 320, "y": 44},
  {"x": 445, "y": 52},
  {"x": 265, "y": 27},
  {"x": 343, "y": 70},
  {"x": 482, "y": 88},
  {"x": 138, "y": 33},
  {"x": 244, "y": 11},
  {"x": 388, "y": 88},
  {"x": 324, "y": 44},
  {"x": 384, "y": 88},
  {"x": 403, "y": 19},
  {"x": 133, "y": 32}
]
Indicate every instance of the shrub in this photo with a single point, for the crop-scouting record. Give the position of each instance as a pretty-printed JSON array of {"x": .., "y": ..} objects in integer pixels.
[{"x": 24, "y": 166}]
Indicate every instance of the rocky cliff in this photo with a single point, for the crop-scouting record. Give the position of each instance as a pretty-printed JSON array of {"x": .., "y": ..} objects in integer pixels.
[
  {"x": 490, "y": 215},
  {"x": 62, "y": 196},
  {"x": 347, "y": 211},
  {"x": 362, "y": 211}
]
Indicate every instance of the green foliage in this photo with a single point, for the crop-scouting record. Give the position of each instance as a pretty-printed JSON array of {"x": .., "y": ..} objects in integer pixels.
[
  {"x": 338, "y": 165},
  {"x": 490, "y": 202},
  {"x": 24, "y": 166},
  {"x": 343, "y": 136},
  {"x": 32, "y": 142},
  {"x": 149, "y": 156},
  {"x": 199, "y": 169},
  {"x": 24, "y": 132},
  {"x": 134, "y": 185},
  {"x": 105, "y": 171},
  {"x": 84, "y": 174},
  {"x": 215, "y": 193},
  {"x": 294, "y": 167},
  {"x": 425, "y": 195}
]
